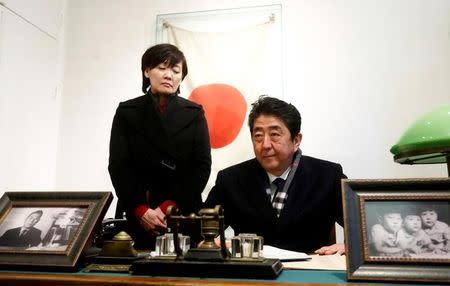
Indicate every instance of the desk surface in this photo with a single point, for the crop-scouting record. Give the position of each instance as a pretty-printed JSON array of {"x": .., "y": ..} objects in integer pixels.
[{"x": 287, "y": 277}]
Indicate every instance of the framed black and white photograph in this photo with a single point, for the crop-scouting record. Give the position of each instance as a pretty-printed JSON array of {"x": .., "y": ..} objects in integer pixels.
[
  {"x": 41, "y": 228},
  {"x": 397, "y": 229},
  {"x": 48, "y": 229}
]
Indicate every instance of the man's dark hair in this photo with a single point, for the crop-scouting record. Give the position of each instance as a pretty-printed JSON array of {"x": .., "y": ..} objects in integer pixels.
[
  {"x": 162, "y": 53},
  {"x": 272, "y": 106},
  {"x": 39, "y": 212}
]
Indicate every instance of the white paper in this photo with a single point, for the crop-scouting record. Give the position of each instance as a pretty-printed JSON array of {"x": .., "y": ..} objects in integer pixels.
[{"x": 283, "y": 254}]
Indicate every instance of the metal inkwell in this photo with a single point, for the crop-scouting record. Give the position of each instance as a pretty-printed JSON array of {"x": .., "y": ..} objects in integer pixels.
[{"x": 175, "y": 258}]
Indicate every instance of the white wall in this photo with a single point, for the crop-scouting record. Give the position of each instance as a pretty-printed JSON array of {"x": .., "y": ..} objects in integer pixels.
[
  {"x": 29, "y": 96},
  {"x": 360, "y": 73},
  {"x": 44, "y": 14}
]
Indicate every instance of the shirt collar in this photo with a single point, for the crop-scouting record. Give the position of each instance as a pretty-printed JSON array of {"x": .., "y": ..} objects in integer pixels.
[
  {"x": 286, "y": 172},
  {"x": 283, "y": 176}
]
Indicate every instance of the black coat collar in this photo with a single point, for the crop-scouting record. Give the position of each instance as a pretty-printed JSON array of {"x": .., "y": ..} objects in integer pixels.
[{"x": 143, "y": 115}]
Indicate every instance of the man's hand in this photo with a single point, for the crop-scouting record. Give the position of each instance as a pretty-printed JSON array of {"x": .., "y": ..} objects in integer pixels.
[
  {"x": 154, "y": 221},
  {"x": 338, "y": 248}
]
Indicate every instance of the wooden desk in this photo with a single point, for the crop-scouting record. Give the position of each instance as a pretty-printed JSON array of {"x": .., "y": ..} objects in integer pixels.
[{"x": 287, "y": 277}]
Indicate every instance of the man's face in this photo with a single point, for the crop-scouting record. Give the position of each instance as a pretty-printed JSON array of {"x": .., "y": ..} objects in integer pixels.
[
  {"x": 412, "y": 223},
  {"x": 31, "y": 220},
  {"x": 272, "y": 144},
  {"x": 392, "y": 222},
  {"x": 429, "y": 218}
]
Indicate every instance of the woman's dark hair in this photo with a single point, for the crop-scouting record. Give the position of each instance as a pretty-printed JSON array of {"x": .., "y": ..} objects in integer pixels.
[
  {"x": 272, "y": 106},
  {"x": 162, "y": 53}
]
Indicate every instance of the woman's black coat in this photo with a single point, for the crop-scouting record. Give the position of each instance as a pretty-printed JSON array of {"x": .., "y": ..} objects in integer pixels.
[{"x": 157, "y": 156}]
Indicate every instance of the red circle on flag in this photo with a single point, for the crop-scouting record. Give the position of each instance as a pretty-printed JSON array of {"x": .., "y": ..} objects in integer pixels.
[{"x": 225, "y": 110}]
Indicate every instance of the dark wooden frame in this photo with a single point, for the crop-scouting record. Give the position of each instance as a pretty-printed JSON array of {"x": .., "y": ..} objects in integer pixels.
[
  {"x": 96, "y": 203},
  {"x": 360, "y": 265}
]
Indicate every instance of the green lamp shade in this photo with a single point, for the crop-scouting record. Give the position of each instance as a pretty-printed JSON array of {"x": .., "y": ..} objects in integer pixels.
[{"x": 427, "y": 141}]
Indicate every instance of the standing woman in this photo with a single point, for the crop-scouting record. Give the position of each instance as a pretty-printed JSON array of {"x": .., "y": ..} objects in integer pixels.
[{"x": 160, "y": 153}]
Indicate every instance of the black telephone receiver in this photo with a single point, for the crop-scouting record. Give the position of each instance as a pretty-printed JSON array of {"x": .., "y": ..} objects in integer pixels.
[{"x": 110, "y": 227}]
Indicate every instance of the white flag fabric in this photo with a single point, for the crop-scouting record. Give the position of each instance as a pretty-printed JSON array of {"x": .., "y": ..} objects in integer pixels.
[{"x": 227, "y": 72}]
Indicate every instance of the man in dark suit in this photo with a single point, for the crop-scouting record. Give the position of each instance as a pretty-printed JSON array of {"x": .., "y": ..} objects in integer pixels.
[
  {"x": 24, "y": 236},
  {"x": 290, "y": 199}
]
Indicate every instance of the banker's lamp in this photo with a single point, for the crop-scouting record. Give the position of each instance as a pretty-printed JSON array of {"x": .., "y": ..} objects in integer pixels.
[{"x": 426, "y": 141}]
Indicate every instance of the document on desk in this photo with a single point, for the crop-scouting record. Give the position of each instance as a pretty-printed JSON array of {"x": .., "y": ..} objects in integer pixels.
[
  {"x": 322, "y": 262},
  {"x": 283, "y": 254}
]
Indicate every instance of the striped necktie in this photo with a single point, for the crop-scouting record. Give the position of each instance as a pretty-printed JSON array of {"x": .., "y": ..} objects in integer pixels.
[{"x": 278, "y": 196}]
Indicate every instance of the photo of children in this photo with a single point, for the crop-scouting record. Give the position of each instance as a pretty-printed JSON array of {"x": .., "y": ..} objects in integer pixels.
[
  {"x": 384, "y": 232},
  {"x": 408, "y": 229},
  {"x": 411, "y": 238},
  {"x": 437, "y": 231}
]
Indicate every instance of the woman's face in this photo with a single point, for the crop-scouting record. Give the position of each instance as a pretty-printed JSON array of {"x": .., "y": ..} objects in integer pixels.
[{"x": 164, "y": 80}]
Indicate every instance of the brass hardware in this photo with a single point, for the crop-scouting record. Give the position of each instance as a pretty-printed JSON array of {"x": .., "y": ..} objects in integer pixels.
[
  {"x": 212, "y": 225},
  {"x": 120, "y": 246},
  {"x": 121, "y": 268},
  {"x": 208, "y": 259}
]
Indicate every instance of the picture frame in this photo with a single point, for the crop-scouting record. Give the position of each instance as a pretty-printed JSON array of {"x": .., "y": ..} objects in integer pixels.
[
  {"x": 49, "y": 230},
  {"x": 397, "y": 229}
]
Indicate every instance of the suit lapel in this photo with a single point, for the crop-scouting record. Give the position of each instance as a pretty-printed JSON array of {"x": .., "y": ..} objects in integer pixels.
[
  {"x": 259, "y": 196},
  {"x": 298, "y": 191}
]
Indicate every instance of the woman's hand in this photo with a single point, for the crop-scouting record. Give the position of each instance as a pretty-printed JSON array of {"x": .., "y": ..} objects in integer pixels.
[
  {"x": 338, "y": 248},
  {"x": 154, "y": 221}
]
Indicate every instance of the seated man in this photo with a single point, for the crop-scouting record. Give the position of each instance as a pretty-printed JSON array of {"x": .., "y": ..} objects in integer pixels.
[
  {"x": 24, "y": 236},
  {"x": 297, "y": 213}
]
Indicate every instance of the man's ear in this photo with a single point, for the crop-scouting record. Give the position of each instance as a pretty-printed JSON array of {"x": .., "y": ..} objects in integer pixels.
[{"x": 297, "y": 140}]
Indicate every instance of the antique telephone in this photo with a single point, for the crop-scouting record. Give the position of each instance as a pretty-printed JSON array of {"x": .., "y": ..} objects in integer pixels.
[
  {"x": 208, "y": 259},
  {"x": 113, "y": 249},
  {"x": 205, "y": 260},
  {"x": 110, "y": 227},
  {"x": 212, "y": 225}
]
